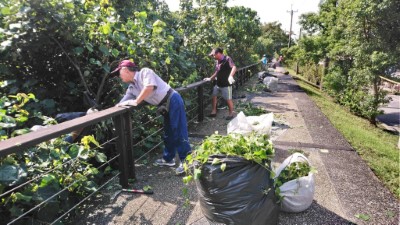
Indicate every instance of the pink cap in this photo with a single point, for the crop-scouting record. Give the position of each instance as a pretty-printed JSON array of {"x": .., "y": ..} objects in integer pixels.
[{"x": 124, "y": 63}]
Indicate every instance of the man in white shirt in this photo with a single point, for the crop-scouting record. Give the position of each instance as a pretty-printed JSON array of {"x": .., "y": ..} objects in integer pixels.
[{"x": 145, "y": 85}]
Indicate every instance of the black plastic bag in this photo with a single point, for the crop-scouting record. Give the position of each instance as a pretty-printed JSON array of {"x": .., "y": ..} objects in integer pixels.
[{"x": 241, "y": 194}]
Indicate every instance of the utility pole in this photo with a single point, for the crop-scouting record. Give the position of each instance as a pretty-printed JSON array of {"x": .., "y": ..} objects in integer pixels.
[
  {"x": 299, "y": 34},
  {"x": 297, "y": 63},
  {"x": 291, "y": 20}
]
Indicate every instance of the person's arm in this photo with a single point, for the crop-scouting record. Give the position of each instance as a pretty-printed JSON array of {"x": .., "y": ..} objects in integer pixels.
[
  {"x": 146, "y": 91},
  {"x": 212, "y": 77},
  {"x": 127, "y": 96},
  {"x": 128, "y": 99},
  {"x": 233, "y": 71}
]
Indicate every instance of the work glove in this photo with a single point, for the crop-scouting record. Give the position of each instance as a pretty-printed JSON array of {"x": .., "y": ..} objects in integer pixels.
[
  {"x": 127, "y": 103},
  {"x": 231, "y": 80},
  {"x": 207, "y": 79},
  {"x": 91, "y": 110}
]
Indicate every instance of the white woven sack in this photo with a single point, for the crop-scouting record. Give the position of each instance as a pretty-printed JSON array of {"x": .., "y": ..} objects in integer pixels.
[
  {"x": 239, "y": 125},
  {"x": 261, "y": 124},
  {"x": 245, "y": 125},
  {"x": 271, "y": 83},
  {"x": 299, "y": 193}
]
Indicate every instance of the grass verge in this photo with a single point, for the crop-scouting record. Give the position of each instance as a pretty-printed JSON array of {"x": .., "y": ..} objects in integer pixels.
[{"x": 377, "y": 147}]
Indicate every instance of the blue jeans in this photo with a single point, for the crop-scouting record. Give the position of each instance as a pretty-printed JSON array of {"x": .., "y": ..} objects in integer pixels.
[{"x": 176, "y": 137}]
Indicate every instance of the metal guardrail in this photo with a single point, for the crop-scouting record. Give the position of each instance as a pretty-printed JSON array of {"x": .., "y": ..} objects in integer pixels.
[
  {"x": 123, "y": 135},
  {"x": 390, "y": 85}
]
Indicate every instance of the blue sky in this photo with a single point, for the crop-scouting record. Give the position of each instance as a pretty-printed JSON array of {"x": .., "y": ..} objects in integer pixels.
[{"x": 270, "y": 11}]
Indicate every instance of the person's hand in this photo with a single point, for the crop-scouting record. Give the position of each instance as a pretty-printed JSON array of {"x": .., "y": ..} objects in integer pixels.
[
  {"x": 91, "y": 110},
  {"x": 231, "y": 80},
  {"x": 127, "y": 103},
  {"x": 207, "y": 79}
]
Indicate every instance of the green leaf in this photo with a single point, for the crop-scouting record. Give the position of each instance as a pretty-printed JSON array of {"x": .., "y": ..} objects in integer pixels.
[
  {"x": 89, "y": 47},
  {"x": 167, "y": 60},
  {"x": 216, "y": 161},
  {"x": 22, "y": 119},
  {"x": 185, "y": 191},
  {"x": 48, "y": 103},
  {"x": 101, "y": 157},
  {"x": 7, "y": 125},
  {"x": 223, "y": 166},
  {"x": 187, "y": 179},
  {"x": 8, "y": 119},
  {"x": 78, "y": 50},
  {"x": 90, "y": 186},
  {"x": 157, "y": 30},
  {"x": 73, "y": 151},
  {"x": 197, "y": 173},
  {"x": 147, "y": 188},
  {"x": 131, "y": 180},
  {"x": 12, "y": 174},
  {"x": 159, "y": 23},
  {"x": 21, "y": 197},
  {"x": 108, "y": 169},
  {"x": 115, "y": 52},
  {"x": 364, "y": 217},
  {"x": 69, "y": 5},
  {"x": 106, "y": 29},
  {"x": 104, "y": 50},
  {"x": 47, "y": 180},
  {"x": 141, "y": 15},
  {"x": 87, "y": 140},
  {"x": 106, "y": 68},
  {"x": 5, "y": 11},
  {"x": 170, "y": 38}
]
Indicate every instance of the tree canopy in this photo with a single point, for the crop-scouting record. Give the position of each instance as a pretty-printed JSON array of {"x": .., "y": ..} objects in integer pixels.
[
  {"x": 360, "y": 39},
  {"x": 60, "y": 50}
]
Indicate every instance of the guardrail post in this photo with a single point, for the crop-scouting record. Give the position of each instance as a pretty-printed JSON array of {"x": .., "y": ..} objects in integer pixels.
[
  {"x": 200, "y": 103},
  {"x": 237, "y": 80},
  {"x": 241, "y": 78},
  {"x": 129, "y": 144},
  {"x": 124, "y": 148},
  {"x": 245, "y": 74}
]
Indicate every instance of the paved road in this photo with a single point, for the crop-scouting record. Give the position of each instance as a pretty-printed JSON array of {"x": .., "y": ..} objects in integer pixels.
[
  {"x": 391, "y": 116},
  {"x": 345, "y": 187}
]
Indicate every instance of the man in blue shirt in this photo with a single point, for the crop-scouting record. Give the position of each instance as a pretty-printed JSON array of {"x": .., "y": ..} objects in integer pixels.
[{"x": 264, "y": 62}]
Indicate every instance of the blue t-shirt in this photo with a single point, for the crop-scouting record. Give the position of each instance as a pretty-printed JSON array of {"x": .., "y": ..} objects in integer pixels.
[{"x": 264, "y": 60}]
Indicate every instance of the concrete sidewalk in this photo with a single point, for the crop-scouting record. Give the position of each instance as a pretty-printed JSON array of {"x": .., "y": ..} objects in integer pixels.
[
  {"x": 390, "y": 118},
  {"x": 345, "y": 186}
]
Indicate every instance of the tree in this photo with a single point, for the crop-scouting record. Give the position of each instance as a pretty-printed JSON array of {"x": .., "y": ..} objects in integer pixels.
[
  {"x": 362, "y": 41},
  {"x": 272, "y": 39}
]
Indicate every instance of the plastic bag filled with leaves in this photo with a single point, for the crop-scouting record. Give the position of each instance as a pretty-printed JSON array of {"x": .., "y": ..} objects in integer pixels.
[
  {"x": 294, "y": 183},
  {"x": 232, "y": 175}
]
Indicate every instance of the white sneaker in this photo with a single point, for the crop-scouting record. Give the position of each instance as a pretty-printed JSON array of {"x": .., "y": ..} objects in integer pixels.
[
  {"x": 180, "y": 170},
  {"x": 162, "y": 162}
]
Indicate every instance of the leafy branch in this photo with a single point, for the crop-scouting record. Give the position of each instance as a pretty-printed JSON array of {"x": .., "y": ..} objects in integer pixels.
[
  {"x": 254, "y": 147},
  {"x": 74, "y": 64}
]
